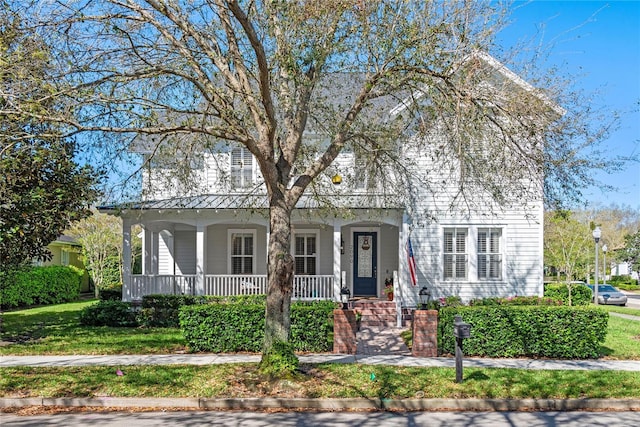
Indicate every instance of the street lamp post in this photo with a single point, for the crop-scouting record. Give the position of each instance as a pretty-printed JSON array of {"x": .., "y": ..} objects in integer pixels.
[
  {"x": 596, "y": 236},
  {"x": 604, "y": 264}
]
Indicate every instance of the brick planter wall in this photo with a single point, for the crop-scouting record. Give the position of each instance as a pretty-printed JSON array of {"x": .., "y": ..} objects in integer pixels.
[
  {"x": 425, "y": 333},
  {"x": 344, "y": 331}
]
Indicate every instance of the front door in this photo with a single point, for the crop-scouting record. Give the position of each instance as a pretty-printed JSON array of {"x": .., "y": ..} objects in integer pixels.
[{"x": 365, "y": 263}]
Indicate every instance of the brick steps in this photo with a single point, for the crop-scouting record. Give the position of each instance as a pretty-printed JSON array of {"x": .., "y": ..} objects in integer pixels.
[{"x": 376, "y": 313}]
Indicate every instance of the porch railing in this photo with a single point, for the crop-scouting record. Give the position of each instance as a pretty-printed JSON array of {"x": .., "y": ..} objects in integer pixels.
[
  {"x": 142, "y": 285},
  {"x": 304, "y": 287}
]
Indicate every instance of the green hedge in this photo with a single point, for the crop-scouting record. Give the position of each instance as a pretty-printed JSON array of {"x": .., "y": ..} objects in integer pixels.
[
  {"x": 162, "y": 310},
  {"x": 522, "y": 300},
  {"x": 580, "y": 294},
  {"x": 113, "y": 293},
  {"x": 109, "y": 313},
  {"x": 40, "y": 286},
  {"x": 526, "y": 331},
  {"x": 624, "y": 282},
  {"x": 239, "y": 326}
]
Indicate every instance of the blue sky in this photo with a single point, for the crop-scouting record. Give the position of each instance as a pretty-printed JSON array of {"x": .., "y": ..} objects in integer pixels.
[{"x": 599, "y": 41}]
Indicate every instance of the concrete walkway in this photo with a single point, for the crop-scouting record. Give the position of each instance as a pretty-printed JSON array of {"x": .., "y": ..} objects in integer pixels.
[{"x": 380, "y": 359}]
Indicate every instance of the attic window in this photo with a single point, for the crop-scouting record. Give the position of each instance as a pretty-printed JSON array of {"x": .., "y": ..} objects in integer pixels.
[{"x": 241, "y": 168}]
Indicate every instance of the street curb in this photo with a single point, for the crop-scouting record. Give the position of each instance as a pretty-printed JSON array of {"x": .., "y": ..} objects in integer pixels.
[{"x": 332, "y": 404}]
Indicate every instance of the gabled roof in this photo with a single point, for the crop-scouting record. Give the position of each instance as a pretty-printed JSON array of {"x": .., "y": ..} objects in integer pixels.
[
  {"x": 65, "y": 240},
  {"x": 500, "y": 69}
]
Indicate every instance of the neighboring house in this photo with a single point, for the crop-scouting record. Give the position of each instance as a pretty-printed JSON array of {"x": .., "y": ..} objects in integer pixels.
[
  {"x": 66, "y": 251},
  {"x": 623, "y": 269},
  {"x": 210, "y": 237}
]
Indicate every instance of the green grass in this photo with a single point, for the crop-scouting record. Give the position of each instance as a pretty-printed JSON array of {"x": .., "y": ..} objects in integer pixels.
[
  {"x": 623, "y": 339},
  {"x": 315, "y": 381},
  {"x": 623, "y": 310},
  {"x": 56, "y": 330}
]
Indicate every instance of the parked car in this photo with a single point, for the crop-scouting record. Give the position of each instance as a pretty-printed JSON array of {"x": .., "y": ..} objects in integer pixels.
[{"x": 608, "y": 294}]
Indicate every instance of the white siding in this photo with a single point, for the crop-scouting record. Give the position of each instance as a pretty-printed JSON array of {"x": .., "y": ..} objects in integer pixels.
[
  {"x": 165, "y": 258},
  {"x": 185, "y": 252}
]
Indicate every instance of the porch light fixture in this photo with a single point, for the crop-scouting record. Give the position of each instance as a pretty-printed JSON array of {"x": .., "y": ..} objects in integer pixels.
[
  {"x": 425, "y": 296},
  {"x": 345, "y": 294},
  {"x": 596, "y": 236},
  {"x": 336, "y": 179},
  {"x": 341, "y": 245}
]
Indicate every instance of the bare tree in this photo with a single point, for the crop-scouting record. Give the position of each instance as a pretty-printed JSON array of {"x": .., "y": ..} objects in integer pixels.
[{"x": 265, "y": 74}]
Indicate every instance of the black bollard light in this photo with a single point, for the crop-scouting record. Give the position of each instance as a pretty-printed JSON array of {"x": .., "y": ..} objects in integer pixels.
[
  {"x": 425, "y": 296},
  {"x": 345, "y": 294}
]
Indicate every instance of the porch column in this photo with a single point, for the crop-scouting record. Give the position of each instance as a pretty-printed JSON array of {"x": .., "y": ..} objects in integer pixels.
[
  {"x": 403, "y": 266},
  {"x": 155, "y": 252},
  {"x": 201, "y": 256},
  {"x": 337, "y": 237},
  {"x": 126, "y": 259},
  {"x": 149, "y": 251}
]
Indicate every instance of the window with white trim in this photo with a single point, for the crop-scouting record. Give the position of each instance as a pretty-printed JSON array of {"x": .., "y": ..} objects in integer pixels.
[
  {"x": 64, "y": 257},
  {"x": 306, "y": 253},
  {"x": 241, "y": 168},
  {"x": 242, "y": 250},
  {"x": 361, "y": 181},
  {"x": 489, "y": 255},
  {"x": 455, "y": 253}
]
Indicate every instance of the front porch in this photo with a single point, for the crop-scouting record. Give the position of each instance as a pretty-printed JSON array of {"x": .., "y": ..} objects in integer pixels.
[{"x": 224, "y": 252}]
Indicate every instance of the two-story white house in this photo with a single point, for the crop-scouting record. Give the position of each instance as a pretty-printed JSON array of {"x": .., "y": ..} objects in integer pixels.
[{"x": 208, "y": 234}]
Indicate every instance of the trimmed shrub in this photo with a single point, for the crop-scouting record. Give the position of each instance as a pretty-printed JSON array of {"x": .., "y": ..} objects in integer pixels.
[
  {"x": 163, "y": 310},
  {"x": 111, "y": 294},
  {"x": 526, "y": 331},
  {"x": 109, "y": 313},
  {"x": 312, "y": 326},
  {"x": 223, "y": 328},
  {"x": 624, "y": 282},
  {"x": 522, "y": 300},
  {"x": 40, "y": 286},
  {"x": 580, "y": 294},
  {"x": 239, "y": 326}
]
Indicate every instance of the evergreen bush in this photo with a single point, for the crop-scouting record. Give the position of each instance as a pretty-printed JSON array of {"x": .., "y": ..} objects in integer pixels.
[
  {"x": 239, "y": 326},
  {"x": 53, "y": 284},
  {"x": 526, "y": 331},
  {"x": 109, "y": 313},
  {"x": 580, "y": 294}
]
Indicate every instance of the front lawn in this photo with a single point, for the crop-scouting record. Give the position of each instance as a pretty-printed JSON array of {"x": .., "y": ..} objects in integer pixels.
[
  {"x": 56, "y": 330},
  {"x": 314, "y": 381}
]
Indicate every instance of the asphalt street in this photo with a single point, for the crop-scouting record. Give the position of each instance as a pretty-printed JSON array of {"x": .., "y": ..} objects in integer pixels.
[
  {"x": 633, "y": 300},
  {"x": 334, "y": 419}
]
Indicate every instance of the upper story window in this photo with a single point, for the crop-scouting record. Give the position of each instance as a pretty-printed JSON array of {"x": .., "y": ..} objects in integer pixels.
[
  {"x": 306, "y": 253},
  {"x": 242, "y": 251},
  {"x": 455, "y": 253},
  {"x": 361, "y": 173},
  {"x": 241, "y": 168},
  {"x": 489, "y": 255}
]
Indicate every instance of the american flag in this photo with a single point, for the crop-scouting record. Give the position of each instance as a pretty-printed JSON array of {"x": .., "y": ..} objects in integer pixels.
[{"x": 412, "y": 263}]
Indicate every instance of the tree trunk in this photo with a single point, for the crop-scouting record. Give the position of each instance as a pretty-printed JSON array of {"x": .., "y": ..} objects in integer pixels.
[{"x": 278, "y": 357}]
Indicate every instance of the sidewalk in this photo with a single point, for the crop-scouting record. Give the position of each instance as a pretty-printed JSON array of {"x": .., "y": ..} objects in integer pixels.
[
  {"x": 413, "y": 404},
  {"x": 365, "y": 359},
  {"x": 376, "y": 346}
]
